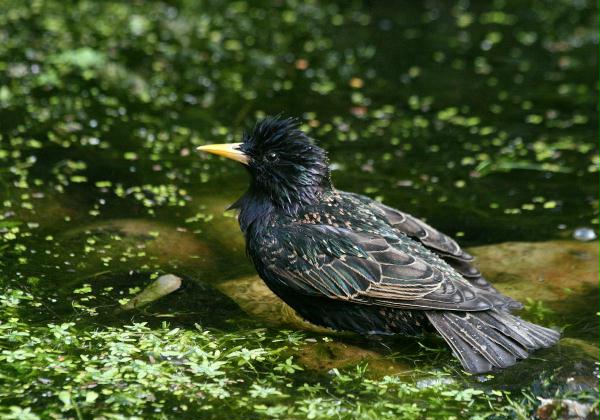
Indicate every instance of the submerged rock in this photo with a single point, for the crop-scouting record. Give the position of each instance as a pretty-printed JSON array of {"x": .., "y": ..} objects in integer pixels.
[
  {"x": 325, "y": 355},
  {"x": 132, "y": 244},
  {"x": 557, "y": 281},
  {"x": 256, "y": 299},
  {"x": 562, "y": 275},
  {"x": 559, "y": 273},
  {"x": 164, "y": 242},
  {"x": 111, "y": 261}
]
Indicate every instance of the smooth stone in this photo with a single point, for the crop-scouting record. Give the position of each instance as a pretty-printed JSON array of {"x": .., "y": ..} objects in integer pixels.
[
  {"x": 160, "y": 287},
  {"x": 584, "y": 234},
  {"x": 254, "y": 297}
]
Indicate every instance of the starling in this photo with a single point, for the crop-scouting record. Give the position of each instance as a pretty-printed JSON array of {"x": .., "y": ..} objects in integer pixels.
[{"x": 346, "y": 262}]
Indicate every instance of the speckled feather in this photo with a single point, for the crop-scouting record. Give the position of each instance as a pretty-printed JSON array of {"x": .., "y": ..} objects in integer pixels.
[{"x": 344, "y": 261}]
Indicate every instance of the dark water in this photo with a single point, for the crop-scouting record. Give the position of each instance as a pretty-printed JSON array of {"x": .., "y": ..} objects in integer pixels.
[{"x": 481, "y": 117}]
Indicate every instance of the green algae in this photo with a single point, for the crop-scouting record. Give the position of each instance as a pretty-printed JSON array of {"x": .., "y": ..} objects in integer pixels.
[{"x": 137, "y": 371}]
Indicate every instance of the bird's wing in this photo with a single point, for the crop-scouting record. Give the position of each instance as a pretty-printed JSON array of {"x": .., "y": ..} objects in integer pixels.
[
  {"x": 427, "y": 235},
  {"x": 321, "y": 260},
  {"x": 441, "y": 244}
]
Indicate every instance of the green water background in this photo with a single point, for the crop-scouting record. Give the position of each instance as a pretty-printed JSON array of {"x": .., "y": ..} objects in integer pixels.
[{"x": 481, "y": 117}]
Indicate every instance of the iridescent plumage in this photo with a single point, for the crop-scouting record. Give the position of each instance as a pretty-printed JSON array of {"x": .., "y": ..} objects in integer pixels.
[{"x": 347, "y": 262}]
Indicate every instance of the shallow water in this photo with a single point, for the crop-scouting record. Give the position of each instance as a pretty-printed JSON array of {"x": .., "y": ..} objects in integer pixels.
[{"x": 479, "y": 117}]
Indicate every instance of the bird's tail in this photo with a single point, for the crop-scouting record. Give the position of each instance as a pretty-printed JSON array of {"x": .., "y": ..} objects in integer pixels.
[{"x": 486, "y": 339}]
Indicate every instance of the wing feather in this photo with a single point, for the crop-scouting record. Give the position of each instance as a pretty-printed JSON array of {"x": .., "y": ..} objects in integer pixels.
[
  {"x": 445, "y": 247},
  {"x": 426, "y": 234},
  {"x": 365, "y": 268}
]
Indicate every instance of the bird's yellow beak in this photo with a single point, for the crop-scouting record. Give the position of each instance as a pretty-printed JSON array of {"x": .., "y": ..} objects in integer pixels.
[{"x": 228, "y": 150}]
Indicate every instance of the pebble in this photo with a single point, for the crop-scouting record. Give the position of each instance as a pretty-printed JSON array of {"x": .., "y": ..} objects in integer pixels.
[
  {"x": 162, "y": 286},
  {"x": 584, "y": 234}
]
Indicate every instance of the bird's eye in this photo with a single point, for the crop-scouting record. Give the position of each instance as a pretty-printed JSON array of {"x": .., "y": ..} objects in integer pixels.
[{"x": 271, "y": 157}]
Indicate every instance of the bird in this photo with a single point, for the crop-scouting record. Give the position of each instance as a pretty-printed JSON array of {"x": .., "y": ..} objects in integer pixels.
[{"x": 344, "y": 261}]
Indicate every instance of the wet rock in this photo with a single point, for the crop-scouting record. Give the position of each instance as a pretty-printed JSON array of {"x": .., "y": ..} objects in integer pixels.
[
  {"x": 131, "y": 244},
  {"x": 256, "y": 299},
  {"x": 50, "y": 208},
  {"x": 224, "y": 226},
  {"x": 550, "y": 271},
  {"x": 558, "y": 283},
  {"x": 164, "y": 242},
  {"x": 568, "y": 364},
  {"x": 162, "y": 286},
  {"x": 555, "y": 272}
]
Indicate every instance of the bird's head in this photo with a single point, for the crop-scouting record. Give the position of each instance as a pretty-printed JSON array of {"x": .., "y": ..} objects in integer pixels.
[{"x": 285, "y": 167}]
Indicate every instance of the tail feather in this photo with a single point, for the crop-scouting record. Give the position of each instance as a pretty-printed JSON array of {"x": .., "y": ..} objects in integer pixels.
[
  {"x": 487, "y": 339},
  {"x": 540, "y": 337},
  {"x": 471, "y": 361},
  {"x": 501, "y": 335},
  {"x": 482, "y": 340}
]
